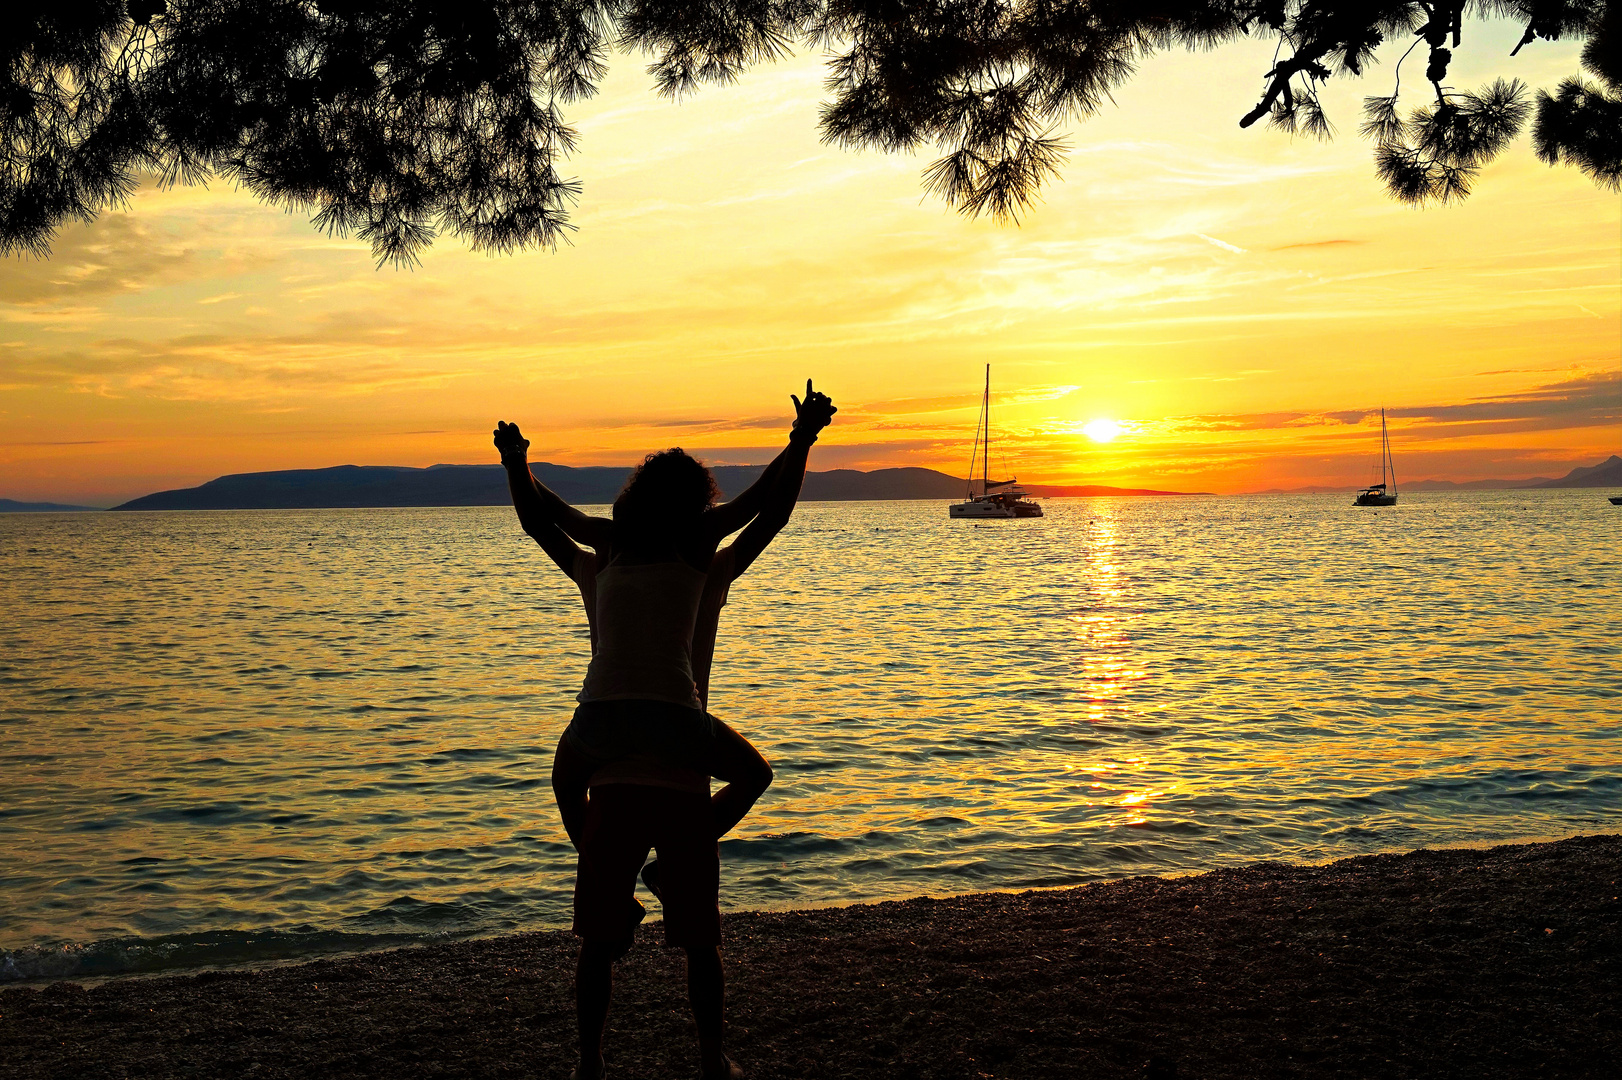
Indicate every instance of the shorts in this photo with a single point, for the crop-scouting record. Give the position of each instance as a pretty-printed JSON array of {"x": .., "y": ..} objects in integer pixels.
[
  {"x": 604, "y": 731},
  {"x": 622, "y": 822}
]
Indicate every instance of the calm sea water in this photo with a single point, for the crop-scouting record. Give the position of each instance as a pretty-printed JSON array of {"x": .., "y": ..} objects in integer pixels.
[{"x": 241, "y": 736}]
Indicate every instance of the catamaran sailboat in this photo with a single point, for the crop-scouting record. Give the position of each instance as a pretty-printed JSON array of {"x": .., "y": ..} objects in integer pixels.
[
  {"x": 997, "y": 498},
  {"x": 1385, "y": 492}
]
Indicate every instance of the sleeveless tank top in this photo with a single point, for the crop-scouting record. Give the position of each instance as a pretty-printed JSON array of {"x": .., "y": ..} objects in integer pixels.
[{"x": 643, "y": 620}]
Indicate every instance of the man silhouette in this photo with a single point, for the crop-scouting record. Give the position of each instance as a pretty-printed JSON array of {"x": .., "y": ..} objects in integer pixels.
[
  {"x": 624, "y": 775},
  {"x": 635, "y": 805}
]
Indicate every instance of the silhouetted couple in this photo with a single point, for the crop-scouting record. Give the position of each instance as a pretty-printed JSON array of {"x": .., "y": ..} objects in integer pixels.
[{"x": 632, "y": 770}]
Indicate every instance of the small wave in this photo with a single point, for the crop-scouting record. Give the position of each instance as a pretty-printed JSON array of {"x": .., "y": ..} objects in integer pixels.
[
  {"x": 1134, "y": 687},
  {"x": 192, "y": 952}
]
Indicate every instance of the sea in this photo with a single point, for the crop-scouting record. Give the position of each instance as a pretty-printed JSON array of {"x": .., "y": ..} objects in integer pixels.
[{"x": 255, "y": 736}]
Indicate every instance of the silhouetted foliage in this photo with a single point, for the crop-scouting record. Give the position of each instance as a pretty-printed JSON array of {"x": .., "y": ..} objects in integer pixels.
[
  {"x": 397, "y": 119},
  {"x": 1581, "y": 124}
]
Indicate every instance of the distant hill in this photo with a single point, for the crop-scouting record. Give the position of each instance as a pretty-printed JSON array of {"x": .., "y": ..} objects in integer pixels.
[
  {"x": 1412, "y": 485},
  {"x": 486, "y": 485},
  {"x": 376, "y": 485},
  {"x": 1473, "y": 485},
  {"x": 12, "y": 506},
  {"x": 1051, "y": 491},
  {"x": 1299, "y": 491},
  {"x": 1607, "y": 473}
]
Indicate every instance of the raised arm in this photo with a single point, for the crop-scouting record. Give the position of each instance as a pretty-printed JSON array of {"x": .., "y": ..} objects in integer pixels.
[
  {"x": 778, "y": 501},
  {"x": 538, "y": 507},
  {"x": 729, "y": 517},
  {"x": 734, "y": 514},
  {"x": 563, "y": 551}
]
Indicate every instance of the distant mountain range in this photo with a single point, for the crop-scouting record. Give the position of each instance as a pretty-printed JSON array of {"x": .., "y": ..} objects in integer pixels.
[
  {"x": 486, "y": 485},
  {"x": 12, "y": 506},
  {"x": 1607, "y": 473}
]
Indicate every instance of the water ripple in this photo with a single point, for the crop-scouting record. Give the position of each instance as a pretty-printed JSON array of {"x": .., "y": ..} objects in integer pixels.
[{"x": 230, "y": 736}]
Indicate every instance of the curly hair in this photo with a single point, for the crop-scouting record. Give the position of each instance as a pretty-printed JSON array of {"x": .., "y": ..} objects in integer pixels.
[{"x": 668, "y": 491}]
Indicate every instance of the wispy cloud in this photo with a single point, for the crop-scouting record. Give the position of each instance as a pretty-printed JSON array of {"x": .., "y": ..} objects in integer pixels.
[
  {"x": 1588, "y": 400},
  {"x": 118, "y": 253},
  {"x": 725, "y": 252},
  {"x": 1223, "y": 244},
  {"x": 1318, "y": 244}
]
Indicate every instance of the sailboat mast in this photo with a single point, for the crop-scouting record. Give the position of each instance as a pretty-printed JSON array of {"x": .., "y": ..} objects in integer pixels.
[
  {"x": 1386, "y": 439},
  {"x": 979, "y": 425},
  {"x": 985, "y": 460}
]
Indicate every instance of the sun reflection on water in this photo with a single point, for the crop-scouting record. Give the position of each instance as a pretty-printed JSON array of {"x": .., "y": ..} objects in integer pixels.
[
  {"x": 1105, "y": 648},
  {"x": 263, "y": 719}
]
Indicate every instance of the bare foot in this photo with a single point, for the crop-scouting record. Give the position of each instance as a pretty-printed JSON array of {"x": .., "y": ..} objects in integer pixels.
[{"x": 583, "y": 1071}]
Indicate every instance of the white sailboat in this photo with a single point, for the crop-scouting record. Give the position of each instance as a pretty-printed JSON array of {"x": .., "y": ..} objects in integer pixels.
[
  {"x": 1385, "y": 492},
  {"x": 997, "y": 498}
]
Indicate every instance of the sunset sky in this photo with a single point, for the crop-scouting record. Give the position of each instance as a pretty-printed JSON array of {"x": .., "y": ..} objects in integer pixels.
[{"x": 1236, "y": 300}]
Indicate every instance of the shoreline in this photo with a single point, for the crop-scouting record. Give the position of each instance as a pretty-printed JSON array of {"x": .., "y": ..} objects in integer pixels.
[
  {"x": 1442, "y": 962},
  {"x": 406, "y": 940}
]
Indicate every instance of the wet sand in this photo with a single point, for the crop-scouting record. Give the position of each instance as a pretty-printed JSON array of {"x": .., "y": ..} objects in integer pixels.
[{"x": 1503, "y": 962}]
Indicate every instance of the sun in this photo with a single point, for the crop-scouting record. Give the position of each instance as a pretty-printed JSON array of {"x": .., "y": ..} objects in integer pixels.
[{"x": 1101, "y": 430}]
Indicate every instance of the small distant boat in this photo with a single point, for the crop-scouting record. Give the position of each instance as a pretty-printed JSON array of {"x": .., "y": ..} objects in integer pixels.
[
  {"x": 1385, "y": 492},
  {"x": 1616, "y": 500},
  {"x": 997, "y": 498}
]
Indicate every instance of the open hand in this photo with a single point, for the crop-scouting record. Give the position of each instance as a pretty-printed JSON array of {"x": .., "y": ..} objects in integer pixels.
[
  {"x": 814, "y": 413},
  {"x": 510, "y": 441}
]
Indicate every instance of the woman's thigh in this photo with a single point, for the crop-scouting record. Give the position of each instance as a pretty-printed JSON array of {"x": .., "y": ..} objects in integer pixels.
[
  {"x": 572, "y": 766},
  {"x": 734, "y": 759}
]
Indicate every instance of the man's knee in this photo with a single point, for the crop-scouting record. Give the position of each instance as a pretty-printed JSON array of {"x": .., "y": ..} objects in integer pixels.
[
  {"x": 703, "y": 959},
  {"x": 597, "y": 953}
]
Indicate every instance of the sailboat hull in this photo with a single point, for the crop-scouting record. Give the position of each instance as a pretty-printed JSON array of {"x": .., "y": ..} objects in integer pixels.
[
  {"x": 995, "y": 506},
  {"x": 980, "y": 508},
  {"x": 1374, "y": 498}
]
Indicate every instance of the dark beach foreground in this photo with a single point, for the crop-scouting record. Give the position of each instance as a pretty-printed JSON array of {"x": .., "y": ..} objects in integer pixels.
[{"x": 1504, "y": 962}]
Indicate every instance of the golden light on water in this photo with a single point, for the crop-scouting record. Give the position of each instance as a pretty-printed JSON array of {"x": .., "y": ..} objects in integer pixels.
[
  {"x": 1105, "y": 658},
  {"x": 989, "y": 705},
  {"x": 1101, "y": 429}
]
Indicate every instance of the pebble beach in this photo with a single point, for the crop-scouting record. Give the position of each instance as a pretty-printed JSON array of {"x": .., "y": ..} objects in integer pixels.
[{"x": 1499, "y": 962}]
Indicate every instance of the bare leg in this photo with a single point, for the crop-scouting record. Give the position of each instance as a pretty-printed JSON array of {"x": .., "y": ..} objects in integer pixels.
[
  {"x": 735, "y": 760},
  {"x": 593, "y": 986},
  {"x": 706, "y": 990},
  {"x": 571, "y": 772}
]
